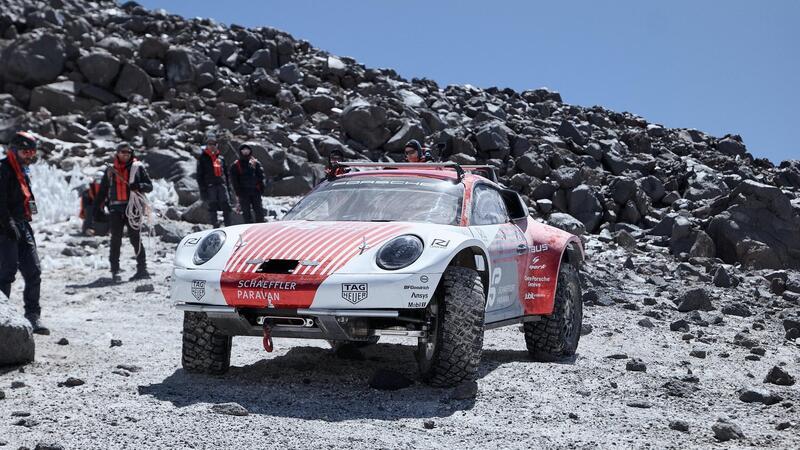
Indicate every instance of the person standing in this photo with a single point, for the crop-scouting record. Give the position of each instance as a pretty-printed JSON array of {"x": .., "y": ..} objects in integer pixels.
[
  {"x": 125, "y": 176},
  {"x": 17, "y": 243},
  {"x": 415, "y": 153},
  {"x": 247, "y": 178},
  {"x": 91, "y": 227},
  {"x": 212, "y": 180}
]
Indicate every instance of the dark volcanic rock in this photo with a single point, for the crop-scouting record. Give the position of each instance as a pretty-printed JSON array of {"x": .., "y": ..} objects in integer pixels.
[
  {"x": 694, "y": 300},
  {"x": 34, "y": 58},
  {"x": 726, "y": 431},
  {"x": 779, "y": 376},
  {"x": 16, "y": 336}
]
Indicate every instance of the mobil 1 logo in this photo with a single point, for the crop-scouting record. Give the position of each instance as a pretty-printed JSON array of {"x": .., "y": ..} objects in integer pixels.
[{"x": 354, "y": 292}]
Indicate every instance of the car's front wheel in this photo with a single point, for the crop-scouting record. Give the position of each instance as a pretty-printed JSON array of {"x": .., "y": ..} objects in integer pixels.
[
  {"x": 205, "y": 348},
  {"x": 452, "y": 350}
]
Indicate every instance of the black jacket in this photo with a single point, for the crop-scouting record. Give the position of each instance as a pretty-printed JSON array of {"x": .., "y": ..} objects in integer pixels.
[
  {"x": 205, "y": 172},
  {"x": 108, "y": 189},
  {"x": 246, "y": 178},
  {"x": 12, "y": 202}
]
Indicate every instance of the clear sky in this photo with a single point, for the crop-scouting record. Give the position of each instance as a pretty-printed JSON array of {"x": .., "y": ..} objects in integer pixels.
[{"x": 722, "y": 66}]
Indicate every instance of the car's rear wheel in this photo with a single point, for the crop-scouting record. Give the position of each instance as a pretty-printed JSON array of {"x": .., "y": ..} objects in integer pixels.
[
  {"x": 558, "y": 334},
  {"x": 205, "y": 348},
  {"x": 452, "y": 351}
]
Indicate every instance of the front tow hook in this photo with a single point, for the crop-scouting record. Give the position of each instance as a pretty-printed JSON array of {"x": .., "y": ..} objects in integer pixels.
[{"x": 268, "y": 337}]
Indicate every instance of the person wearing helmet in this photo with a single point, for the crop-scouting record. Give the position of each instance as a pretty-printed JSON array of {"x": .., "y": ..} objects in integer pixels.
[
  {"x": 212, "y": 180},
  {"x": 88, "y": 196},
  {"x": 124, "y": 176},
  {"x": 247, "y": 178},
  {"x": 17, "y": 243},
  {"x": 415, "y": 153}
]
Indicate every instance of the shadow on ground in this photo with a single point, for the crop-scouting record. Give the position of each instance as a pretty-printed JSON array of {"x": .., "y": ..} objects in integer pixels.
[{"x": 312, "y": 383}]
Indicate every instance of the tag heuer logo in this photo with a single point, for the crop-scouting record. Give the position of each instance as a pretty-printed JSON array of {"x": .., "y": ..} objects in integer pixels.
[
  {"x": 354, "y": 292},
  {"x": 198, "y": 289}
]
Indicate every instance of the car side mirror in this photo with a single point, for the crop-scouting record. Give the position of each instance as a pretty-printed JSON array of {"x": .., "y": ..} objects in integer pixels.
[{"x": 517, "y": 209}]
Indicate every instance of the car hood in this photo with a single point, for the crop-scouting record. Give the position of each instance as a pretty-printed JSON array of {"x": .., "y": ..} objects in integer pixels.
[{"x": 321, "y": 247}]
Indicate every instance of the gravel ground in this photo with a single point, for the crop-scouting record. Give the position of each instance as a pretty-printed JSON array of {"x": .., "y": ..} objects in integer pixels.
[{"x": 135, "y": 395}]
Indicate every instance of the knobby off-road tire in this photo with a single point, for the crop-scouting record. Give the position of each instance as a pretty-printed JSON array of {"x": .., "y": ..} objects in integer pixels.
[
  {"x": 455, "y": 344},
  {"x": 558, "y": 334},
  {"x": 205, "y": 349}
]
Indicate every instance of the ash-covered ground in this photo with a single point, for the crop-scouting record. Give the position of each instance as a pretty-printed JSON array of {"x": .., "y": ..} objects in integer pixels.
[{"x": 646, "y": 375}]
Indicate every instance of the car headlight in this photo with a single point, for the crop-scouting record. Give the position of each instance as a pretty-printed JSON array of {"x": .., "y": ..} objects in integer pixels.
[
  {"x": 399, "y": 252},
  {"x": 209, "y": 246}
]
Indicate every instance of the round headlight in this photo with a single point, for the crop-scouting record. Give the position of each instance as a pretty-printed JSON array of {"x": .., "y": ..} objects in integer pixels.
[
  {"x": 209, "y": 246},
  {"x": 399, "y": 252}
]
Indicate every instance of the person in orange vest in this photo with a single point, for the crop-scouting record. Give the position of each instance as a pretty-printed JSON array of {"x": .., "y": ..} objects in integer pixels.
[
  {"x": 332, "y": 172},
  {"x": 212, "y": 180},
  {"x": 247, "y": 178},
  {"x": 17, "y": 243},
  {"x": 125, "y": 175},
  {"x": 91, "y": 227}
]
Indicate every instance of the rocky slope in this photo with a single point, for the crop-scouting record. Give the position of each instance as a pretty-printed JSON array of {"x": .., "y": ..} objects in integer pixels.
[
  {"x": 691, "y": 286},
  {"x": 86, "y": 75}
]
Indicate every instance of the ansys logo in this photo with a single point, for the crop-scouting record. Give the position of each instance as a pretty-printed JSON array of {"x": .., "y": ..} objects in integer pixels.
[{"x": 354, "y": 292}]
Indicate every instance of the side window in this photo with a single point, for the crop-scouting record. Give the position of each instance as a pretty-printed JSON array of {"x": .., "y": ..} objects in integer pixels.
[{"x": 487, "y": 207}]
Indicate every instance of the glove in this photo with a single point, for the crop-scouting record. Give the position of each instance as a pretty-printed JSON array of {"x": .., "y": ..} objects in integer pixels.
[{"x": 134, "y": 186}]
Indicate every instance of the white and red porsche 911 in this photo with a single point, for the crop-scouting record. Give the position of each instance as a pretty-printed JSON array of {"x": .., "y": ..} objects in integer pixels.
[{"x": 435, "y": 252}]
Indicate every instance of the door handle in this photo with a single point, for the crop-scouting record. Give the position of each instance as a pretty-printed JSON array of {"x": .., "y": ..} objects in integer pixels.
[{"x": 522, "y": 248}]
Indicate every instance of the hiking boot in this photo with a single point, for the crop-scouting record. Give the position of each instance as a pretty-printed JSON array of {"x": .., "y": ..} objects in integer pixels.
[
  {"x": 140, "y": 275},
  {"x": 115, "y": 278},
  {"x": 37, "y": 325}
]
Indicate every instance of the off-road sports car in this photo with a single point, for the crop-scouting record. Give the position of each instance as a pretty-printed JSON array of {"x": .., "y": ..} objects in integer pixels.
[{"x": 434, "y": 252}]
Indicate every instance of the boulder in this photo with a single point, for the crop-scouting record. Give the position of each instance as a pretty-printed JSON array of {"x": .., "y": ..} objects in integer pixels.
[
  {"x": 318, "y": 103},
  {"x": 704, "y": 183},
  {"x": 567, "y": 223},
  {"x": 61, "y": 98},
  {"x": 409, "y": 130},
  {"x": 694, "y": 300},
  {"x": 365, "y": 123},
  {"x": 16, "y": 336},
  {"x": 584, "y": 205},
  {"x": 731, "y": 147},
  {"x": 533, "y": 164},
  {"x": 99, "y": 68},
  {"x": 568, "y": 130},
  {"x": 33, "y": 59},
  {"x": 493, "y": 137},
  {"x": 758, "y": 228},
  {"x": 153, "y": 47},
  {"x": 133, "y": 80}
]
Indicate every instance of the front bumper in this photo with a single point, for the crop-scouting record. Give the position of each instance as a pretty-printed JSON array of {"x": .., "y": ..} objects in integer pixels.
[
  {"x": 308, "y": 323},
  {"x": 338, "y": 291}
]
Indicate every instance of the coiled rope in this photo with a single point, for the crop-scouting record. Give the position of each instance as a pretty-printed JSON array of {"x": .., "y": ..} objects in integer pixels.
[{"x": 139, "y": 212}]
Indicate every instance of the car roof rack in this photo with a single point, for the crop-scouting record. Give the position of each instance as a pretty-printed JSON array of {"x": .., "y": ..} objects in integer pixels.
[{"x": 394, "y": 165}]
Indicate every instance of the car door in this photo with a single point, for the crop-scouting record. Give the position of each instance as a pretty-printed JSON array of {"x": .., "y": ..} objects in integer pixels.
[{"x": 489, "y": 221}]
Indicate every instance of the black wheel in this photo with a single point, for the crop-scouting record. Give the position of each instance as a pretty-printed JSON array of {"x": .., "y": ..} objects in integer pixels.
[
  {"x": 558, "y": 334},
  {"x": 452, "y": 351},
  {"x": 205, "y": 349}
]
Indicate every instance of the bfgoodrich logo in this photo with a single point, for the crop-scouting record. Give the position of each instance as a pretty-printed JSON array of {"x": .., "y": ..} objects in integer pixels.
[{"x": 354, "y": 292}]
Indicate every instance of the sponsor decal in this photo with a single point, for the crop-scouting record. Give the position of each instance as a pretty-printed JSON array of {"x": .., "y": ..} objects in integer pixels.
[
  {"x": 423, "y": 279},
  {"x": 307, "y": 262},
  {"x": 539, "y": 248},
  {"x": 198, "y": 289},
  {"x": 535, "y": 264},
  {"x": 411, "y": 287},
  {"x": 440, "y": 243},
  {"x": 417, "y": 304},
  {"x": 256, "y": 261},
  {"x": 354, "y": 292},
  {"x": 267, "y": 284},
  {"x": 536, "y": 282},
  {"x": 530, "y": 296},
  {"x": 497, "y": 275},
  {"x": 363, "y": 246},
  {"x": 191, "y": 241}
]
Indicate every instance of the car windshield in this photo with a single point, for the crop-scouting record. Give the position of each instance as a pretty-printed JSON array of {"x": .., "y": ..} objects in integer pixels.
[{"x": 383, "y": 199}]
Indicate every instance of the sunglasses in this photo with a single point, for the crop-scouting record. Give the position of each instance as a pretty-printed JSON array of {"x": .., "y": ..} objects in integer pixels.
[{"x": 28, "y": 150}]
